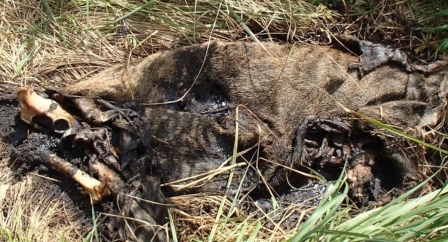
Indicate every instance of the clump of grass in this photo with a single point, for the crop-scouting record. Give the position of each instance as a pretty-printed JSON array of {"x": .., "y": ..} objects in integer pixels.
[
  {"x": 433, "y": 16},
  {"x": 37, "y": 49},
  {"x": 405, "y": 218},
  {"x": 57, "y": 42},
  {"x": 418, "y": 27}
]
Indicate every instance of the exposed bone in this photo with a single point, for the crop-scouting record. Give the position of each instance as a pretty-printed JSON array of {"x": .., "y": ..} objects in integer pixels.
[
  {"x": 91, "y": 185},
  {"x": 110, "y": 179},
  {"x": 42, "y": 113},
  {"x": 47, "y": 114}
]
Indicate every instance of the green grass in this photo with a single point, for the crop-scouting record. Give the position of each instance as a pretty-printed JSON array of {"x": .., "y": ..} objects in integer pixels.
[
  {"x": 93, "y": 234},
  {"x": 433, "y": 16},
  {"x": 404, "y": 219}
]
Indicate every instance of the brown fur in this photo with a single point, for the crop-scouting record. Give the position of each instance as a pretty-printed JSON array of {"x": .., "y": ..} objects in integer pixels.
[
  {"x": 278, "y": 86},
  {"x": 272, "y": 82}
]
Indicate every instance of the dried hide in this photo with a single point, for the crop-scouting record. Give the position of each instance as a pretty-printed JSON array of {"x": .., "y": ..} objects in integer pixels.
[{"x": 279, "y": 104}]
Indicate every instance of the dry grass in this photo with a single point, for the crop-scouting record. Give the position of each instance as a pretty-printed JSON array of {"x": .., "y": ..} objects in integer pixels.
[
  {"x": 38, "y": 51},
  {"x": 70, "y": 40},
  {"x": 74, "y": 39},
  {"x": 32, "y": 209}
]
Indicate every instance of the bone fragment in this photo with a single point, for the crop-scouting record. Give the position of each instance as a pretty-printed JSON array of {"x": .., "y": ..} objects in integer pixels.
[
  {"x": 91, "y": 185},
  {"x": 33, "y": 106},
  {"x": 108, "y": 177}
]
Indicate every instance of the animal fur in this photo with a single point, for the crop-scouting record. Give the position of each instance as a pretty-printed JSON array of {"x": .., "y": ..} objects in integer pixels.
[{"x": 192, "y": 95}]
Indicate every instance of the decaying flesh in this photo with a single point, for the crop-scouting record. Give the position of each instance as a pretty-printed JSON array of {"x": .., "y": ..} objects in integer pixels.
[
  {"x": 192, "y": 95},
  {"x": 283, "y": 103},
  {"x": 34, "y": 109},
  {"x": 108, "y": 148}
]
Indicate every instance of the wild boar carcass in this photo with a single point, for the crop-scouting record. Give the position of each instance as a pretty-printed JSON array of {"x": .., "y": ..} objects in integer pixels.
[{"x": 181, "y": 115}]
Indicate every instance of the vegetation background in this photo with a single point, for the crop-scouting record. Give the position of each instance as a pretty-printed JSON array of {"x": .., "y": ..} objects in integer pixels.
[{"x": 58, "y": 42}]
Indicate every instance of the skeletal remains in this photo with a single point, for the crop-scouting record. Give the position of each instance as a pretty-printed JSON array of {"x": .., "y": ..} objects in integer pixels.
[{"x": 175, "y": 117}]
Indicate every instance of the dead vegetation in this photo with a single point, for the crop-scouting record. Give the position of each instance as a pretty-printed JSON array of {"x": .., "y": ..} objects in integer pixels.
[
  {"x": 35, "y": 210},
  {"x": 55, "y": 43}
]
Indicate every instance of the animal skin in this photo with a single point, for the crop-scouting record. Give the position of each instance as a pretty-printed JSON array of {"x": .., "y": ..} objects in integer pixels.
[
  {"x": 192, "y": 94},
  {"x": 281, "y": 84},
  {"x": 281, "y": 106}
]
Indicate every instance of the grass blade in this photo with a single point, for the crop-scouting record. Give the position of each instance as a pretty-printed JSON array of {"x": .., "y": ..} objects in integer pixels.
[
  {"x": 172, "y": 226},
  {"x": 149, "y": 4},
  {"x": 25, "y": 61},
  {"x": 395, "y": 131}
]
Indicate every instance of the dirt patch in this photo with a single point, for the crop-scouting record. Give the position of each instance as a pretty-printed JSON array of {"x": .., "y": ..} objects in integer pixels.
[{"x": 13, "y": 130}]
